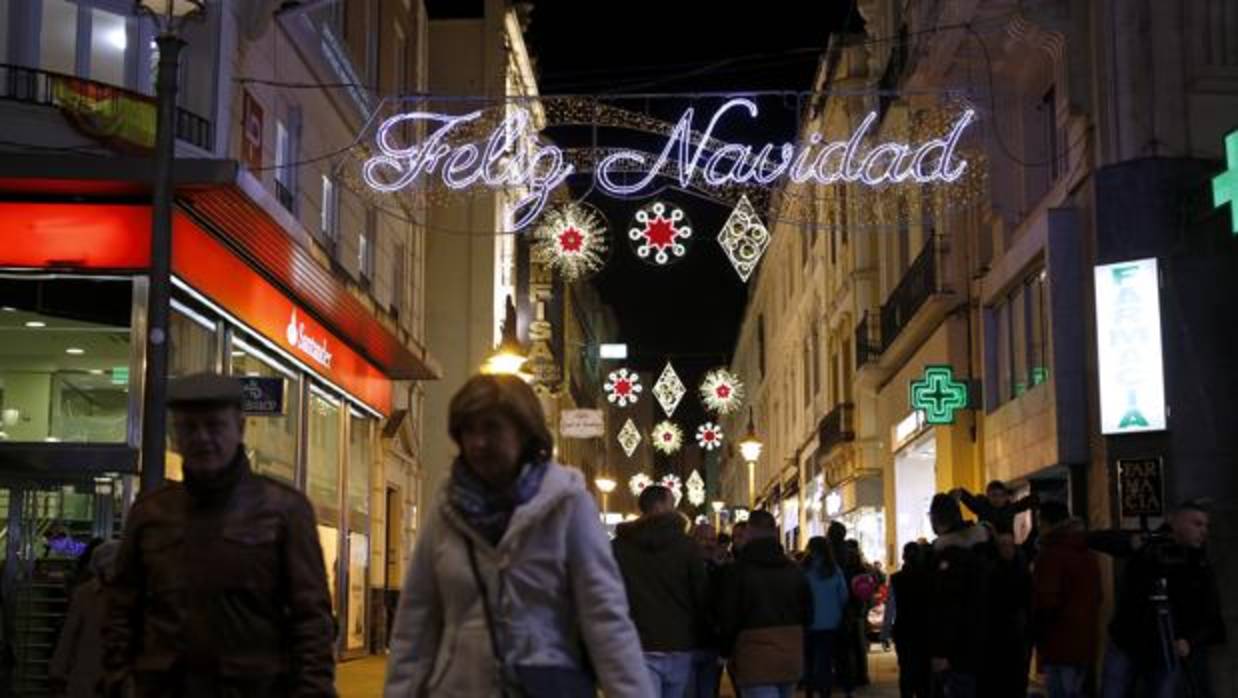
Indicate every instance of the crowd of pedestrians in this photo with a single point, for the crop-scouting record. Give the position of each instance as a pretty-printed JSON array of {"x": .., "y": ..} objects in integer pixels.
[{"x": 218, "y": 588}]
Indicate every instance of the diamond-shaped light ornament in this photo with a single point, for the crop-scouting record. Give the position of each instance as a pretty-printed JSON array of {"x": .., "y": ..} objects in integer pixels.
[
  {"x": 669, "y": 390},
  {"x": 722, "y": 391},
  {"x": 638, "y": 482},
  {"x": 709, "y": 436},
  {"x": 667, "y": 437},
  {"x": 671, "y": 482},
  {"x": 744, "y": 238},
  {"x": 623, "y": 387},
  {"x": 696, "y": 489},
  {"x": 629, "y": 437}
]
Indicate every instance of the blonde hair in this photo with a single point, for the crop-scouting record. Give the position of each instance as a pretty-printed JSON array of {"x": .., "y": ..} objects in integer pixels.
[{"x": 509, "y": 395}]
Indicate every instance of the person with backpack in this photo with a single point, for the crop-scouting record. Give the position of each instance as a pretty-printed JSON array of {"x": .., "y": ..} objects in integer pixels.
[
  {"x": 829, "y": 600},
  {"x": 962, "y": 554}
]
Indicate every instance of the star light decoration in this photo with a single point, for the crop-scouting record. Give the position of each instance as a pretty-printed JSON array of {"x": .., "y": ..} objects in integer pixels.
[
  {"x": 744, "y": 238},
  {"x": 669, "y": 390},
  {"x": 696, "y": 489},
  {"x": 622, "y": 387},
  {"x": 629, "y": 437},
  {"x": 667, "y": 437},
  {"x": 660, "y": 233},
  {"x": 638, "y": 482},
  {"x": 722, "y": 391},
  {"x": 672, "y": 482},
  {"x": 709, "y": 436},
  {"x": 571, "y": 239}
]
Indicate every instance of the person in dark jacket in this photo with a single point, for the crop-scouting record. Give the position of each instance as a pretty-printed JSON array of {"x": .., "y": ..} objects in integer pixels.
[
  {"x": 995, "y": 507},
  {"x": 906, "y": 621},
  {"x": 706, "y": 677},
  {"x": 220, "y": 587},
  {"x": 77, "y": 662},
  {"x": 850, "y": 666},
  {"x": 764, "y": 604},
  {"x": 829, "y": 601},
  {"x": 1007, "y": 649},
  {"x": 1066, "y": 599},
  {"x": 1171, "y": 563},
  {"x": 667, "y": 587},
  {"x": 960, "y": 569}
]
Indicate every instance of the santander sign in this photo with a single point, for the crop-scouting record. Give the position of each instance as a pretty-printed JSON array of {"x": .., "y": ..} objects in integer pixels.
[
  {"x": 512, "y": 156},
  {"x": 316, "y": 349}
]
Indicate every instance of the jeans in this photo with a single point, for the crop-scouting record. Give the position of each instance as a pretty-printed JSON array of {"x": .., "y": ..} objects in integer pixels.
[
  {"x": 769, "y": 690},
  {"x": 706, "y": 676},
  {"x": 955, "y": 684},
  {"x": 1065, "y": 680},
  {"x": 1121, "y": 673},
  {"x": 670, "y": 672},
  {"x": 819, "y": 662}
]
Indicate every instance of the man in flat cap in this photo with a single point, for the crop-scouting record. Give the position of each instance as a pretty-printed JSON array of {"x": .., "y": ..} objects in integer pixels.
[{"x": 220, "y": 588}]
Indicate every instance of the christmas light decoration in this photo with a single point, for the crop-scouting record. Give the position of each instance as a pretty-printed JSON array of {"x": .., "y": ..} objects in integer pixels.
[
  {"x": 628, "y": 438},
  {"x": 622, "y": 387},
  {"x": 722, "y": 391},
  {"x": 696, "y": 489},
  {"x": 669, "y": 390},
  {"x": 667, "y": 437},
  {"x": 709, "y": 436},
  {"x": 744, "y": 238},
  {"x": 660, "y": 230},
  {"x": 638, "y": 482},
  {"x": 672, "y": 482},
  {"x": 571, "y": 239}
]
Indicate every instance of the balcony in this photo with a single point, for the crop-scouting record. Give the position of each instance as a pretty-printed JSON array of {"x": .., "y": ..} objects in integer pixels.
[
  {"x": 836, "y": 427},
  {"x": 118, "y": 118},
  {"x": 917, "y": 285}
]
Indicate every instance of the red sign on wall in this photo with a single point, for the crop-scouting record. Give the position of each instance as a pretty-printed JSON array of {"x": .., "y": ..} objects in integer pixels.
[{"x": 251, "y": 131}]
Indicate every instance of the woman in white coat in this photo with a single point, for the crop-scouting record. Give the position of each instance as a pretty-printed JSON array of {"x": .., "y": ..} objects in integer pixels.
[{"x": 512, "y": 590}]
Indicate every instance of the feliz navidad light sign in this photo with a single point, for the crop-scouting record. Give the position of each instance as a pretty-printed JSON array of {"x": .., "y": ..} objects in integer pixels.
[{"x": 512, "y": 156}]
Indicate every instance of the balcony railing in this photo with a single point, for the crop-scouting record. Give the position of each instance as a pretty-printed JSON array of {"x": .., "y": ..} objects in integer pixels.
[
  {"x": 917, "y": 285},
  {"x": 836, "y": 427},
  {"x": 113, "y": 115},
  {"x": 867, "y": 344}
]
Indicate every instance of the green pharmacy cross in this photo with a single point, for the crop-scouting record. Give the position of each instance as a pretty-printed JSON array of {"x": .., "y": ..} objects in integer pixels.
[
  {"x": 938, "y": 395},
  {"x": 1225, "y": 185}
]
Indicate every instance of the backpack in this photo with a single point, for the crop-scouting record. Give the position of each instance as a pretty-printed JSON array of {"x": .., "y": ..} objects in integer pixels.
[{"x": 863, "y": 586}]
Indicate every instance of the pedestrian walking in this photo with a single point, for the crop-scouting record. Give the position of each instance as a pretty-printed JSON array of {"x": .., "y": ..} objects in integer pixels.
[
  {"x": 829, "y": 601},
  {"x": 706, "y": 677},
  {"x": 1007, "y": 647},
  {"x": 765, "y": 603},
  {"x": 961, "y": 556},
  {"x": 995, "y": 506},
  {"x": 667, "y": 587},
  {"x": 1066, "y": 599},
  {"x": 906, "y": 621},
  {"x": 863, "y": 585},
  {"x": 77, "y": 663},
  {"x": 220, "y": 587},
  {"x": 512, "y": 589},
  {"x": 1168, "y": 611}
]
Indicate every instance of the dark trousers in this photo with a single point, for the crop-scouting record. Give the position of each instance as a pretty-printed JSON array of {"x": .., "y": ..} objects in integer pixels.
[
  {"x": 182, "y": 685},
  {"x": 914, "y": 673},
  {"x": 1005, "y": 670},
  {"x": 819, "y": 649}
]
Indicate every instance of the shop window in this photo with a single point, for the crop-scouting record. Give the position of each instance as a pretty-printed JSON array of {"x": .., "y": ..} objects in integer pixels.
[
  {"x": 191, "y": 349},
  {"x": 323, "y": 483},
  {"x": 4, "y": 31},
  {"x": 1022, "y": 332},
  {"x": 360, "y": 462},
  {"x": 64, "y": 364},
  {"x": 271, "y": 440}
]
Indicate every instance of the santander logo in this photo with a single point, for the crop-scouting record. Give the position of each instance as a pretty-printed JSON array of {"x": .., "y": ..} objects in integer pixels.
[{"x": 316, "y": 349}]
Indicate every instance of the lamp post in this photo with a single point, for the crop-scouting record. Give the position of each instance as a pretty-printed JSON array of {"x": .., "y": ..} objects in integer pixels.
[
  {"x": 750, "y": 448},
  {"x": 717, "y": 507},
  {"x": 605, "y": 486},
  {"x": 168, "y": 16},
  {"x": 508, "y": 357}
]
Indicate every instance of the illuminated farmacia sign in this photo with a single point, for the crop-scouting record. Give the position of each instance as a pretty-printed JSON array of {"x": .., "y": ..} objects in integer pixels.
[{"x": 512, "y": 156}]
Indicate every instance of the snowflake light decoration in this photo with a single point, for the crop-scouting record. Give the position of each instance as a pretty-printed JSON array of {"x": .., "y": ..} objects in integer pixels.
[
  {"x": 571, "y": 239},
  {"x": 623, "y": 387},
  {"x": 629, "y": 438},
  {"x": 722, "y": 391},
  {"x": 638, "y": 482},
  {"x": 669, "y": 390},
  {"x": 696, "y": 489},
  {"x": 744, "y": 238},
  {"x": 667, "y": 437},
  {"x": 660, "y": 233},
  {"x": 671, "y": 482},
  {"x": 709, "y": 436}
]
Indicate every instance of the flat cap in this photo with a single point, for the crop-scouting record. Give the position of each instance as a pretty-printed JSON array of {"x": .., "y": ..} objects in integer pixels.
[{"x": 204, "y": 389}]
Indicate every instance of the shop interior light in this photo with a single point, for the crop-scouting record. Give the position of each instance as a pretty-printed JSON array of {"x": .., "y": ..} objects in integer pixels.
[
  {"x": 613, "y": 351},
  {"x": 36, "y": 324},
  {"x": 75, "y": 351}
]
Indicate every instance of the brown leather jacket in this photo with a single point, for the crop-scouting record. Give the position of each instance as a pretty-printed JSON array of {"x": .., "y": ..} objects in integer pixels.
[{"x": 222, "y": 579}]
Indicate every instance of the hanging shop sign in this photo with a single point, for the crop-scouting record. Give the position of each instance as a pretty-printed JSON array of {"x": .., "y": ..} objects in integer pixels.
[
  {"x": 938, "y": 395},
  {"x": 262, "y": 396},
  {"x": 512, "y": 156},
  {"x": 1128, "y": 339},
  {"x": 1225, "y": 185},
  {"x": 581, "y": 424},
  {"x": 1141, "y": 487}
]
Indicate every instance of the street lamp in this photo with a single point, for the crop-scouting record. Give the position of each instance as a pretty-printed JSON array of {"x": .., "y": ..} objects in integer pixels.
[
  {"x": 717, "y": 507},
  {"x": 508, "y": 357},
  {"x": 169, "y": 16},
  {"x": 605, "y": 486},
  {"x": 750, "y": 448}
]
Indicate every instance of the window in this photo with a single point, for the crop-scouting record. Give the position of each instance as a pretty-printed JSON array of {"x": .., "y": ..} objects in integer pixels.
[
  {"x": 80, "y": 40},
  {"x": 108, "y": 41},
  {"x": 805, "y": 379},
  {"x": 1048, "y": 107},
  {"x": 842, "y": 207},
  {"x": 399, "y": 281},
  {"x": 64, "y": 364},
  {"x": 1022, "y": 337},
  {"x": 761, "y": 345},
  {"x": 323, "y": 485},
  {"x": 816, "y": 361},
  {"x": 287, "y": 135},
  {"x": 903, "y": 255},
  {"x": 360, "y": 460},
  {"x": 366, "y": 245},
  {"x": 329, "y": 223},
  {"x": 272, "y": 440},
  {"x": 58, "y": 37}
]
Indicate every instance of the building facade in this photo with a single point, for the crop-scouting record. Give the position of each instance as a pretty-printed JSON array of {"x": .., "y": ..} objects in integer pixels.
[{"x": 284, "y": 267}]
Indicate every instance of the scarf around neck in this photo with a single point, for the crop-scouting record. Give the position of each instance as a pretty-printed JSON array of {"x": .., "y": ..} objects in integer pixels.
[{"x": 487, "y": 510}]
